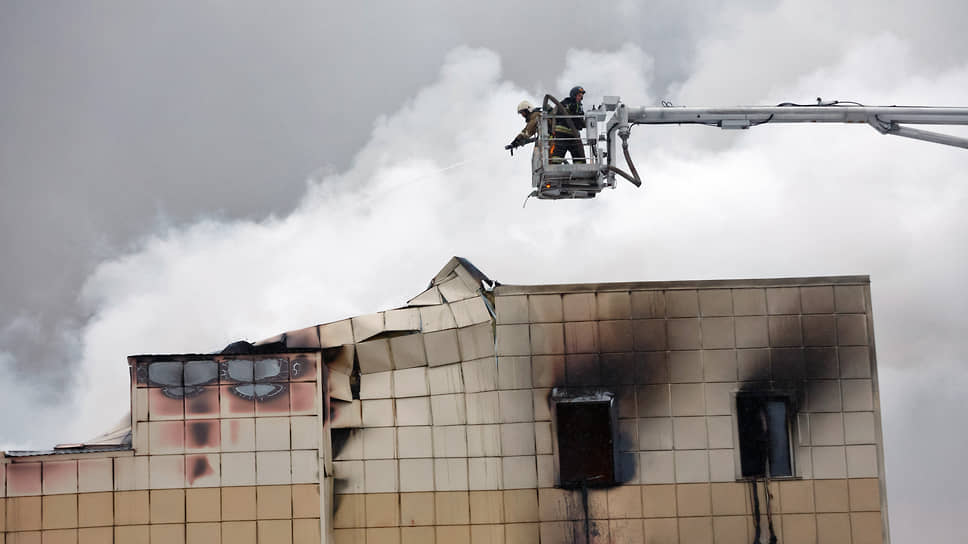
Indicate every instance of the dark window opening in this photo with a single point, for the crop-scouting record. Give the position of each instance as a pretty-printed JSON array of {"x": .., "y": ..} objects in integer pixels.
[
  {"x": 764, "y": 435},
  {"x": 355, "y": 377},
  {"x": 586, "y": 441}
]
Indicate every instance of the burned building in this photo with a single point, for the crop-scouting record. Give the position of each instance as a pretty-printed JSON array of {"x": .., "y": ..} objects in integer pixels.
[{"x": 647, "y": 412}]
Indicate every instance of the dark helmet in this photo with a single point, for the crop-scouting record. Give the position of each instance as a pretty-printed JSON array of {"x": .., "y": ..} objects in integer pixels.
[{"x": 575, "y": 90}]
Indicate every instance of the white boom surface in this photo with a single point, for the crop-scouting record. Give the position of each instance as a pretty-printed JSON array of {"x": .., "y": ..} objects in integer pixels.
[{"x": 886, "y": 119}]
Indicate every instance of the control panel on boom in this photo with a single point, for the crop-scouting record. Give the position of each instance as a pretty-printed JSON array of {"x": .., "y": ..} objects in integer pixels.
[{"x": 608, "y": 125}]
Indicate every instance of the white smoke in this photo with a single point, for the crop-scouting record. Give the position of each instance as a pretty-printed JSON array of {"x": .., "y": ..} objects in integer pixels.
[{"x": 433, "y": 181}]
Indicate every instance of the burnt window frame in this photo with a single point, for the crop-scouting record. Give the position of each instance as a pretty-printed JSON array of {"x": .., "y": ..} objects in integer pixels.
[
  {"x": 585, "y": 396},
  {"x": 792, "y": 430}
]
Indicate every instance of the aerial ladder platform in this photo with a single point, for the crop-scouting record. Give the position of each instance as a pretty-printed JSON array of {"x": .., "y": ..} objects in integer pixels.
[{"x": 608, "y": 126}]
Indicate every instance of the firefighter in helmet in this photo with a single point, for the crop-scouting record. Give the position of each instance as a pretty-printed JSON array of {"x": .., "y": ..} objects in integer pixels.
[
  {"x": 566, "y": 132},
  {"x": 531, "y": 117}
]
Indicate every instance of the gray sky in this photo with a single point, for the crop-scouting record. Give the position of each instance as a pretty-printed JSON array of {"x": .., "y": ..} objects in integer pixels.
[{"x": 177, "y": 176}]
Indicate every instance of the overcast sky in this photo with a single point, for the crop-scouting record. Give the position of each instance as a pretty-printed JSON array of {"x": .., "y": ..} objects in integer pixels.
[{"x": 176, "y": 176}]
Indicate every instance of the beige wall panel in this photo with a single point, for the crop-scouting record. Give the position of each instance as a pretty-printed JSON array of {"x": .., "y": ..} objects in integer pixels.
[
  {"x": 864, "y": 494},
  {"x": 59, "y": 477},
  {"x": 59, "y": 536},
  {"x": 683, "y": 333},
  {"x": 274, "y": 502},
  {"x": 203, "y": 505},
  {"x": 831, "y": 495},
  {"x": 480, "y": 375},
  {"x": 95, "y": 509},
  {"x": 486, "y": 507},
  {"x": 694, "y": 499},
  {"x": 239, "y": 532},
  {"x": 169, "y": 534},
  {"x": 276, "y": 531},
  {"x": 729, "y": 498},
  {"x": 514, "y": 372},
  {"x": 613, "y": 305},
  {"x": 59, "y": 511},
  {"x": 682, "y": 303},
  {"x": 203, "y": 533},
  {"x": 796, "y": 497},
  {"x": 692, "y": 466},
  {"x": 305, "y": 531},
  {"x": 131, "y": 508},
  {"x": 23, "y": 513},
  {"x": 459, "y": 534},
  {"x": 648, "y": 304},
  {"x": 417, "y": 508},
  {"x": 661, "y": 530},
  {"x": 452, "y": 508},
  {"x": 624, "y": 502},
  {"x": 131, "y": 473},
  {"x": 658, "y": 501},
  {"x": 349, "y": 511},
  {"x": 27, "y": 537},
  {"x": 382, "y": 509},
  {"x": 513, "y": 340},
  {"x": 649, "y": 334},
  {"x": 94, "y": 475},
  {"x": 696, "y": 529},
  {"x": 132, "y": 534},
  {"x": 349, "y": 536},
  {"x": 238, "y": 503},
  {"x": 167, "y": 505},
  {"x": 730, "y": 530},
  {"x": 238, "y": 469},
  {"x": 305, "y": 501},
  {"x": 23, "y": 479},
  {"x": 390, "y": 535},
  {"x": 511, "y": 309},
  {"x": 546, "y": 339},
  {"x": 94, "y": 535},
  {"x": 715, "y": 302},
  {"x": 833, "y": 528},
  {"x": 579, "y": 307},
  {"x": 799, "y": 528},
  {"x": 166, "y": 471},
  {"x": 486, "y": 534},
  {"x": 545, "y": 308},
  {"x": 520, "y": 505}
]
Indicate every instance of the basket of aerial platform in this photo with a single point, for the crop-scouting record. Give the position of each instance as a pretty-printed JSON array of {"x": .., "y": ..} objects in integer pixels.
[
  {"x": 608, "y": 125},
  {"x": 555, "y": 177}
]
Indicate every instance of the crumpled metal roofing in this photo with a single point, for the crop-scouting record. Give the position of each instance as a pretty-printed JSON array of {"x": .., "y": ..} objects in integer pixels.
[{"x": 118, "y": 438}]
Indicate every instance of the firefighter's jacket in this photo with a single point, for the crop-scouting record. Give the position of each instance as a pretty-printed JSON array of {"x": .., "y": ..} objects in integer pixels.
[
  {"x": 532, "y": 125},
  {"x": 562, "y": 128}
]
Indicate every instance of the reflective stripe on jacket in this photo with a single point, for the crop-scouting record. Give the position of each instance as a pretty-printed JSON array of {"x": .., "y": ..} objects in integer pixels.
[{"x": 572, "y": 108}]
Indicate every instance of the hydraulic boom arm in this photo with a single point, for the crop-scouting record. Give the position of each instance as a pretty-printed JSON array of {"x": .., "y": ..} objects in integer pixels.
[{"x": 886, "y": 119}]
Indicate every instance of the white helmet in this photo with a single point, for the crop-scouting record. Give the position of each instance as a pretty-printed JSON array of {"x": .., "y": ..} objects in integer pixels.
[{"x": 524, "y": 106}]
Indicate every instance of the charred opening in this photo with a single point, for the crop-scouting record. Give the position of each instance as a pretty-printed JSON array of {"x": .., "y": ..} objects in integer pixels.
[
  {"x": 585, "y": 425},
  {"x": 764, "y": 435}
]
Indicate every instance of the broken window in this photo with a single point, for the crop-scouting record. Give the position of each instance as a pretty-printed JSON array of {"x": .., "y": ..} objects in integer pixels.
[
  {"x": 764, "y": 435},
  {"x": 585, "y": 427}
]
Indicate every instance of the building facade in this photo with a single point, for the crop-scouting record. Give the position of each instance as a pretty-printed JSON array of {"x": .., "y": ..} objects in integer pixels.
[{"x": 650, "y": 412}]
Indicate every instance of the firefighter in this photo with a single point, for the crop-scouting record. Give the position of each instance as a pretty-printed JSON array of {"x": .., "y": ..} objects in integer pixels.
[
  {"x": 566, "y": 133},
  {"x": 531, "y": 116}
]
